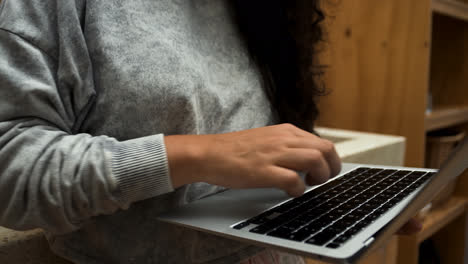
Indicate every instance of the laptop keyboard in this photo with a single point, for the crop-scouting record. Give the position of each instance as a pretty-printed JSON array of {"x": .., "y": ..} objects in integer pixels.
[{"x": 336, "y": 211}]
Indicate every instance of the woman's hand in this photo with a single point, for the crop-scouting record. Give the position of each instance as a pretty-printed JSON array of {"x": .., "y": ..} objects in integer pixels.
[
  {"x": 255, "y": 158},
  {"x": 412, "y": 227}
]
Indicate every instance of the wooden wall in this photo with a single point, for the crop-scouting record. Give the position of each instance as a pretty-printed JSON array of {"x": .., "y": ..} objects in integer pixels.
[{"x": 378, "y": 75}]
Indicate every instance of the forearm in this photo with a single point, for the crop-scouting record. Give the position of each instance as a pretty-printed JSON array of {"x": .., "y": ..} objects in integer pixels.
[{"x": 56, "y": 181}]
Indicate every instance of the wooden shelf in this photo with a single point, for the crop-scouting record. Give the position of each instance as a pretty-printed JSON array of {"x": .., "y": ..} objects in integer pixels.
[
  {"x": 440, "y": 217},
  {"x": 452, "y": 8},
  {"x": 446, "y": 117}
]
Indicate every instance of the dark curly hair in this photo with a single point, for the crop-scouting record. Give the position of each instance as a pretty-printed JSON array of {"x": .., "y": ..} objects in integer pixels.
[{"x": 283, "y": 36}]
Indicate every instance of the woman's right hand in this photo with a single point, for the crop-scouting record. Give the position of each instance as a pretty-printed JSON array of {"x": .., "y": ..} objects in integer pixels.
[{"x": 254, "y": 158}]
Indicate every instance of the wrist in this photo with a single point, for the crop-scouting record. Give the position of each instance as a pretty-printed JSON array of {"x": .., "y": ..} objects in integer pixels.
[{"x": 185, "y": 158}]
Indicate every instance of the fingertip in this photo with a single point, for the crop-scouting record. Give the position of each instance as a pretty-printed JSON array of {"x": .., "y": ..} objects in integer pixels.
[
  {"x": 337, "y": 169},
  {"x": 300, "y": 190},
  {"x": 290, "y": 182}
]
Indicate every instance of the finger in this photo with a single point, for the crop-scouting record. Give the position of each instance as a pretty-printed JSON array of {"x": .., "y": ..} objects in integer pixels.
[
  {"x": 287, "y": 180},
  {"x": 326, "y": 147},
  {"x": 310, "y": 161},
  {"x": 411, "y": 227}
]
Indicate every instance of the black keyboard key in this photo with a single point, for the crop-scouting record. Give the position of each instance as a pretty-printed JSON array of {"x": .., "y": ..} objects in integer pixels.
[
  {"x": 338, "y": 228},
  {"x": 299, "y": 235},
  {"x": 351, "y": 232},
  {"x": 372, "y": 217},
  {"x": 390, "y": 203},
  {"x": 385, "y": 196},
  {"x": 343, "y": 224},
  {"x": 330, "y": 217},
  {"x": 295, "y": 224},
  {"x": 333, "y": 245},
  {"x": 341, "y": 239},
  {"x": 412, "y": 177},
  {"x": 310, "y": 229},
  {"x": 341, "y": 189},
  {"x": 360, "y": 187},
  {"x": 241, "y": 225},
  {"x": 389, "y": 181},
  {"x": 345, "y": 196},
  {"x": 262, "y": 218},
  {"x": 281, "y": 232},
  {"x": 287, "y": 206},
  {"x": 293, "y": 213},
  {"x": 305, "y": 218},
  {"x": 361, "y": 211},
  {"x": 374, "y": 171},
  {"x": 316, "y": 201},
  {"x": 380, "y": 186},
  {"x": 317, "y": 224},
  {"x": 402, "y": 172},
  {"x": 372, "y": 191},
  {"x": 261, "y": 229},
  {"x": 321, "y": 238},
  {"x": 361, "y": 169},
  {"x": 377, "y": 201},
  {"x": 361, "y": 178},
  {"x": 361, "y": 225},
  {"x": 354, "y": 191},
  {"x": 369, "y": 206},
  {"x": 367, "y": 184},
  {"x": 323, "y": 188},
  {"x": 387, "y": 172},
  {"x": 338, "y": 211},
  {"x": 356, "y": 201},
  {"x": 401, "y": 185},
  {"x": 332, "y": 231},
  {"x": 351, "y": 217},
  {"x": 381, "y": 210},
  {"x": 374, "y": 180},
  {"x": 365, "y": 195},
  {"x": 419, "y": 182},
  {"x": 428, "y": 175},
  {"x": 311, "y": 194},
  {"x": 418, "y": 173},
  {"x": 272, "y": 224},
  {"x": 346, "y": 207},
  {"x": 400, "y": 196},
  {"x": 317, "y": 211},
  {"x": 323, "y": 220},
  {"x": 328, "y": 206},
  {"x": 390, "y": 192},
  {"x": 327, "y": 196}
]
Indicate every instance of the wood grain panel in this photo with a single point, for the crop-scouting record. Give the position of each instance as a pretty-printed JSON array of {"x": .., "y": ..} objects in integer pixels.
[
  {"x": 378, "y": 59},
  {"x": 455, "y": 235},
  {"x": 449, "y": 68}
]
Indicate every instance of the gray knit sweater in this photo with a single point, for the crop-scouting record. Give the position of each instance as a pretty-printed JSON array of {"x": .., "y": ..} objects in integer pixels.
[{"x": 87, "y": 91}]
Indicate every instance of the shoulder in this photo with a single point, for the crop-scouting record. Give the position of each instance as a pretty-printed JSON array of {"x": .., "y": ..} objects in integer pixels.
[{"x": 42, "y": 22}]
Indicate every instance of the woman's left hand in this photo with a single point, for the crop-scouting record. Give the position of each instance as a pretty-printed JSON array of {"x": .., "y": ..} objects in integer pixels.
[{"x": 413, "y": 226}]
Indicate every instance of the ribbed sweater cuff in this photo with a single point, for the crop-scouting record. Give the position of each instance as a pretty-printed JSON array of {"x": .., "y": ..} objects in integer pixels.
[{"x": 141, "y": 169}]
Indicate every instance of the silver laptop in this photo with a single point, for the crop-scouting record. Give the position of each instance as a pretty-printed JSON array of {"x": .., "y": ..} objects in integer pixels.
[{"x": 339, "y": 221}]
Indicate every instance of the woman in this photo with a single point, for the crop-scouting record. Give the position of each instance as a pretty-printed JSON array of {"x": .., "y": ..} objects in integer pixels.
[{"x": 112, "y": 112}]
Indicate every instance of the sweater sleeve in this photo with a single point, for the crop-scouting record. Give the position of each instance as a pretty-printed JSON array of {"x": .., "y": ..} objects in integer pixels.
[{"x": 50, "y": 176}]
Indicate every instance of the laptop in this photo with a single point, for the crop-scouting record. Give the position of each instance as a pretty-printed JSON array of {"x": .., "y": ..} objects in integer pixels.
[{"x": 339, "y": 221}]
